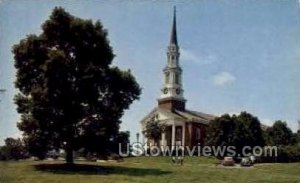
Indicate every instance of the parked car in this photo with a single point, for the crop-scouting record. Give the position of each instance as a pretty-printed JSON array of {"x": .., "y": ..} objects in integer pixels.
[
  {"x": 246, "y": 162},
  {"x": 228, "y": 161}
]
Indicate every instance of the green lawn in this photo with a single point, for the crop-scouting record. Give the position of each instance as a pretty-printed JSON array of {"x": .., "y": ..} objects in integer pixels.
[{"x": 145, "y": 169}]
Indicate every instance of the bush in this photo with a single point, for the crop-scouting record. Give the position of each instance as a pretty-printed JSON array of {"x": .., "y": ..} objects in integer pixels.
[
  {"x": 290, "y": 153},
  {"x": 285, "y": 154}
]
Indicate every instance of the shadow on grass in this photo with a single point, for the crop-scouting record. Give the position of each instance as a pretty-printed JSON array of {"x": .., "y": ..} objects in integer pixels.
[{"x": 98, "y": 170}]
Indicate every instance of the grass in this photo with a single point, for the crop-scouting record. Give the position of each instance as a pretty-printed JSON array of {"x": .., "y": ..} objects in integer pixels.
[{"x": 144, "y": 170}]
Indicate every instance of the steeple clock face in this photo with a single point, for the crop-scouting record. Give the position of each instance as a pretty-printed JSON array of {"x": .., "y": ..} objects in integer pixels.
[{"x": 165, "y": 90}]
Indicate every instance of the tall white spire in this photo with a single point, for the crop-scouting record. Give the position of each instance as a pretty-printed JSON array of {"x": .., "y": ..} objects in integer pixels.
[{"x": 172, "y": 87}]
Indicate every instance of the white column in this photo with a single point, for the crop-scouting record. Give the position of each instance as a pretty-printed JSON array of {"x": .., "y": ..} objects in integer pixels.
[
  {"x": 163, "y": 139},
  {"x": 183, "y": 135},
  {"x": 173, "y": 136}
]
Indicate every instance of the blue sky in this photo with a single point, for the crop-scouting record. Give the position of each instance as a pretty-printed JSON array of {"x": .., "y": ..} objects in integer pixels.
[{"x": 236, "y": 55}]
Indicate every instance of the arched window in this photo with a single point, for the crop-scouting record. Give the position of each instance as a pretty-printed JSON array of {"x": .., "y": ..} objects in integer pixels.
[
  {"x": 176, "y": 78},
  {"x": 167, "y": 77}
]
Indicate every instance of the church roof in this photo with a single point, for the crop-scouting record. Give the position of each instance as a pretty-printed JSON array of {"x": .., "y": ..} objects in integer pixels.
[
  {"x": 186, "y": 115},
  {"x": 196, "y": 116}
]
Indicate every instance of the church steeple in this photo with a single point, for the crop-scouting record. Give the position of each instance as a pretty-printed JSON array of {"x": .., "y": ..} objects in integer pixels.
[
  {"x": 173, "y": 39},
  {"x": 172, "y": 92}
]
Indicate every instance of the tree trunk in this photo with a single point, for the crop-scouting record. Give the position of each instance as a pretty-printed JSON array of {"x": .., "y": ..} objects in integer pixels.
[{"x": 69, "y": 154}]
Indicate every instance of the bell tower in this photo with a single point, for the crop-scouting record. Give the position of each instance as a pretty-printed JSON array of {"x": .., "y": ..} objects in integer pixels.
[{"x": 172, "y": 92}]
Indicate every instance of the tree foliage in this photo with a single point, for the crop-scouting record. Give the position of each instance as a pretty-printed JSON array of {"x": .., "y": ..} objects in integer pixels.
[
  {"x": 220, "y": 131},
  {"x": 298, "y": 136},
  {"x": 13, "y": 149},
  {"x": 70, "y": 95},
  {"x": 281, "y": 134},
  {"x": 253, "y": 135},
  {"x": 239, "y": 131},
  {"x": 153, "y": 130}
]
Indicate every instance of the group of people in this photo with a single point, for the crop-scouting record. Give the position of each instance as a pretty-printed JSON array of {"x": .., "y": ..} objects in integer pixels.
[{"x": 177, "y": 156}]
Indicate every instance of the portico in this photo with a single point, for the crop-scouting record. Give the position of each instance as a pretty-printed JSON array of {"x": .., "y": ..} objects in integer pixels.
[{"x": 176, "y": 137}]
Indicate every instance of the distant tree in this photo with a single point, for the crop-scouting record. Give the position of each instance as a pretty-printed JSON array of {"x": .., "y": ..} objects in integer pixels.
[
  {"x": 2, "y": 157},
  {"x": 253, "y": 134},
  {"x": 13, "y": 149},
  {"x": 153, "y": 130},
  {"x": 70, "y": 96},
  {"x": 281, "y": 134},
  {"x": 220, "y": 131},
  {"x": 248, "y": 131},
  {"x": 240, "y": 134},
  {"x": 298, "y": 134},
  {"x": 239, "y": 131},
  {"x": 267, "y": 137}
]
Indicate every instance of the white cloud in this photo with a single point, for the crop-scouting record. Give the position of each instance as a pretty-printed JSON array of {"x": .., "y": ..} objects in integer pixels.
[
  {"x": 266, "y": 121},
  {"x": 234, "y": 113},
  {"x": 17, "y": 134},
  {"x": 188, "y": 55},
  {"x": 223, "y": 78}
]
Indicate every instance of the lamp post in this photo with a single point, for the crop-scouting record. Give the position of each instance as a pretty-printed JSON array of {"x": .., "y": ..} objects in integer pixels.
[{"x": 137, "y": 137}]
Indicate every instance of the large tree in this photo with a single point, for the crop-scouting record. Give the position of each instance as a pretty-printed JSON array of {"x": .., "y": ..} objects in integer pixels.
[{"x": 70, "y": 96}]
